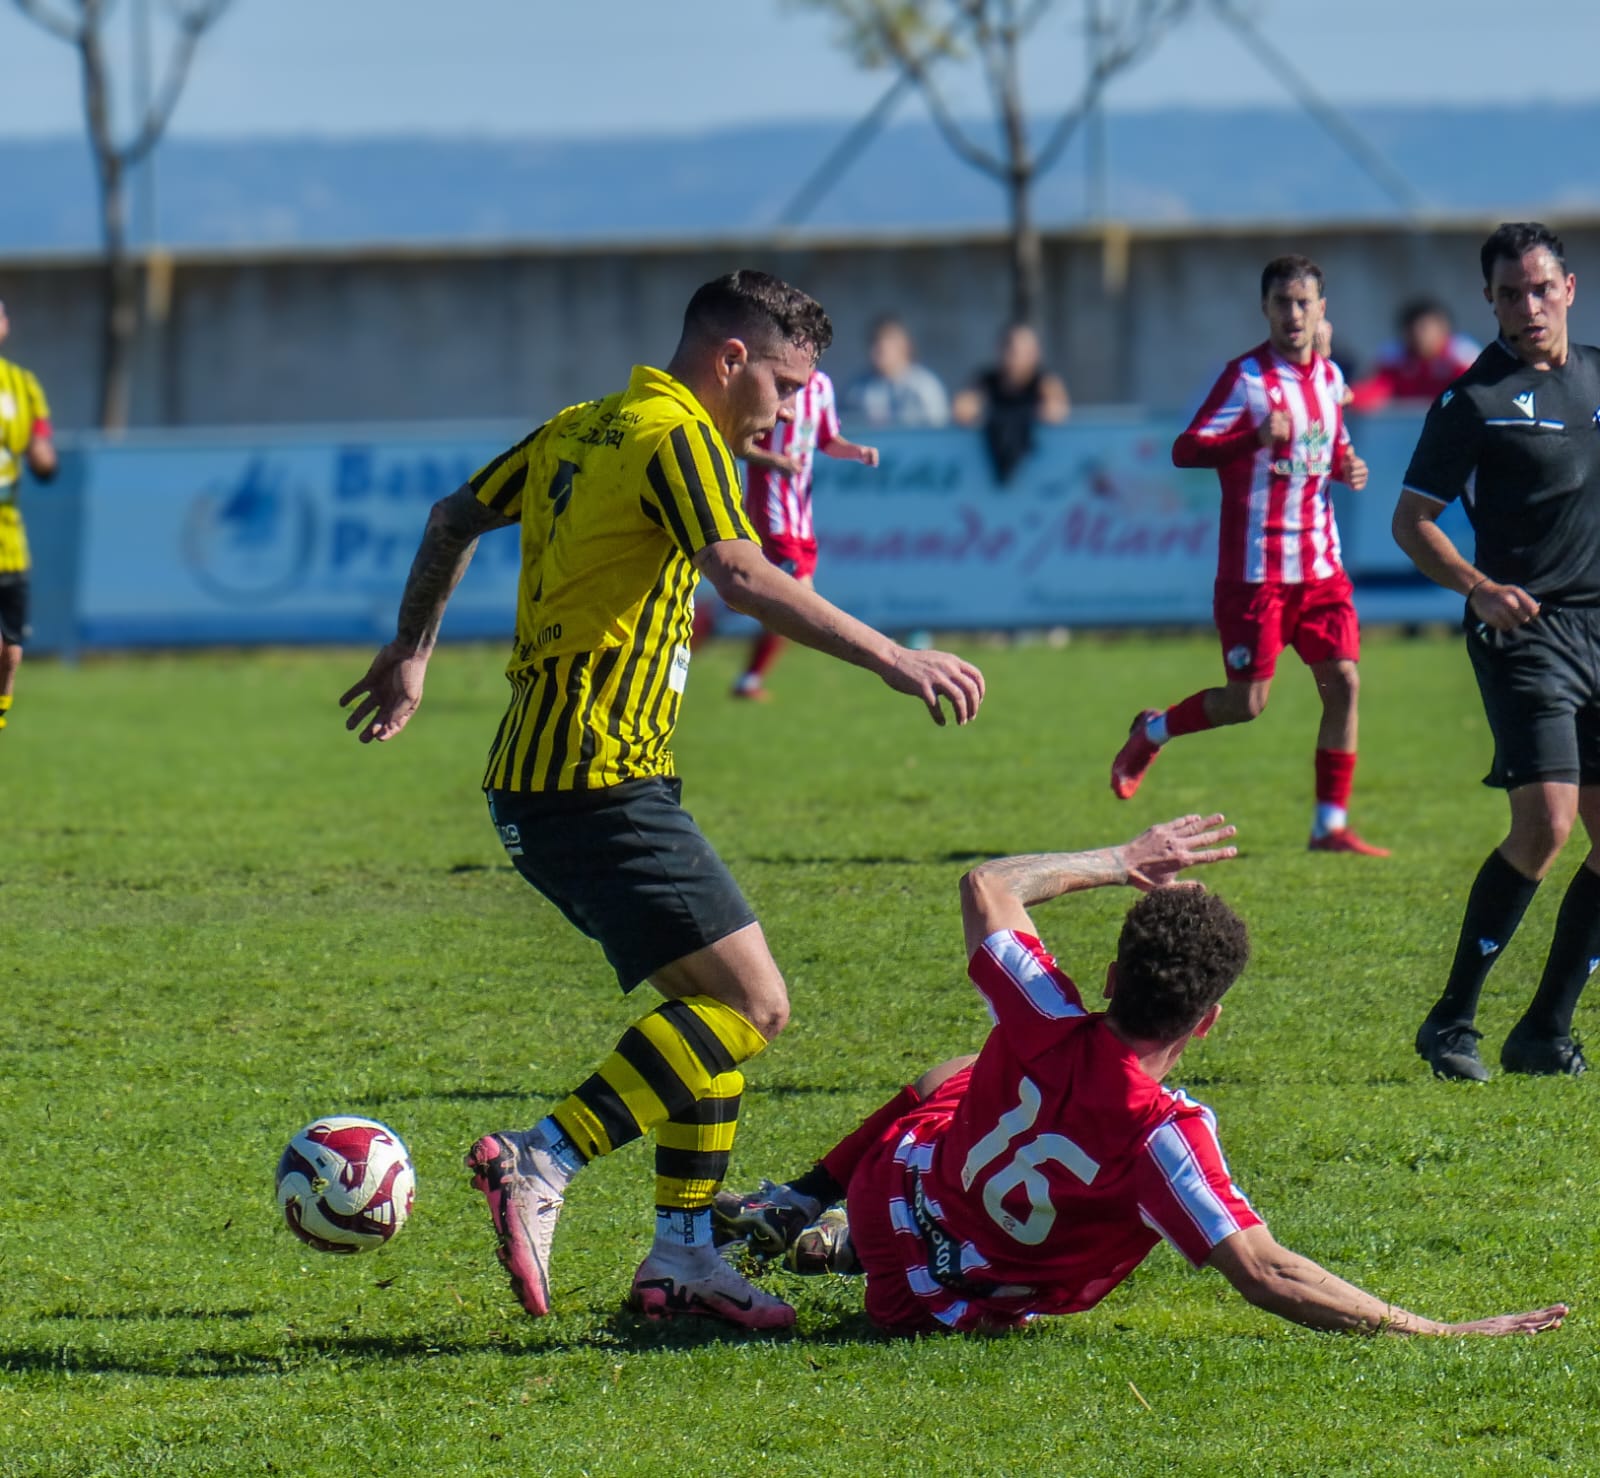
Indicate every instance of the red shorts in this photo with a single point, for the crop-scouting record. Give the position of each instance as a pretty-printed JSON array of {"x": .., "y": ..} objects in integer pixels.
[
  {"x": 797, "y": 557},
  {"x": 1257, "y": 621},
  {"x": 891, "y": 1303}
]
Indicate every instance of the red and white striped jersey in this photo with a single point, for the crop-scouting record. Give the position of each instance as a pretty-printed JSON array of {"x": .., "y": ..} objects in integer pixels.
[
  {"x": 1277, "y": 515},
  {"x": 780, "y": 506},
  {"x": 1063, "y": 1163}
]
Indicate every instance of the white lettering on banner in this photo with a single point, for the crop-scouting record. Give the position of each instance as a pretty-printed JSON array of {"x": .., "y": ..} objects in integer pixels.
[{"x": 309, "y": 539}]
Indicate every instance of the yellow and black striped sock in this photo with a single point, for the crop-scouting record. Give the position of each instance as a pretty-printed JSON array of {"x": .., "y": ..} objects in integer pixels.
[
  {"x": 692, "y": 1148},
  {"x": 5, "y": 708},
  {"x": 666, "y": 1062}
]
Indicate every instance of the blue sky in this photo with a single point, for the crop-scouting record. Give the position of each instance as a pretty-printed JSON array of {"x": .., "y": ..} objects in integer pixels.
[{"x": 588, "y": 67}]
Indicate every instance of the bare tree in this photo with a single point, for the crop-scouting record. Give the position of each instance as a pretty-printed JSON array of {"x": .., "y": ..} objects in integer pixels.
[
  {"x": 83, "y": 24},
  {"x": 914, "y": 36}
]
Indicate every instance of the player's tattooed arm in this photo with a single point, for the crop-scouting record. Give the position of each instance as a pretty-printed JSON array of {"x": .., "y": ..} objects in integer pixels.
[
  {"x": 455, "y": 524},
  {"x": 391, "y": 689},
  {"x": 997, "y": 895}
]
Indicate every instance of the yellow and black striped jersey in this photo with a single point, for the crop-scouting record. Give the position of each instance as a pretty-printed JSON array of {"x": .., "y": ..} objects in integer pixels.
[
  {"x": 22, "y": 409},
  {"x": 614, "y": 497}
]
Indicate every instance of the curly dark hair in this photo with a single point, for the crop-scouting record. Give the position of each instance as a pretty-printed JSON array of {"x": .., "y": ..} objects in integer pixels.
[
  {"x": 1179, "y": 951},
  {"x": 759, "y": 308},
  {"x": 1291, "y": 269},
  {"x": 1515, "y": 239}
]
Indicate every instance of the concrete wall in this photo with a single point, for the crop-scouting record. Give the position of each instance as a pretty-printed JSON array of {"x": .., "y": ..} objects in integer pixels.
[{"x": 414, "y": 334}]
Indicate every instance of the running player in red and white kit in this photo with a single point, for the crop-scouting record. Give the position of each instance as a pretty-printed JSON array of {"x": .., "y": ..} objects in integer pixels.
[
  {"x": 778, "y": 499},
  {"x": 1273, "y": 427},
  {"x": 1033, "y": 1178}
]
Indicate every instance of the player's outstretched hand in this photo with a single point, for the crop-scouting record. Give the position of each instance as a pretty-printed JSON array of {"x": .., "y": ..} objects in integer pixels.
[
  {"x": 1504, "y": 607},
  {"x": 1536, "y": 1321},
  {"x": 388, "y": 695},
  {"x": 1154, "y": 858},
  {"x": 931, "y": 676}
]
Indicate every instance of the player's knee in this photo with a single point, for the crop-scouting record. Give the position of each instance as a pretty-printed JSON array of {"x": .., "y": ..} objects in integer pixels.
[
  {"x": 1242, "y": 702},
  {"x": 1536, "y": 841},
  {"x": 768, "y": 1011},
  {"x": 935, "y": 1077},
  {"x": 10, "y": 657},
  {"x": 1340, "y": 685}
]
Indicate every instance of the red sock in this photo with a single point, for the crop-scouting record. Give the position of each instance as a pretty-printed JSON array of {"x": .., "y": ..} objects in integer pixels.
[
  {"x": 764, "y": 653},
  {"x": 1336, "y": 771},
  {"x": 840, "y": 1162},
  {"x": 1188, "y": 717}
]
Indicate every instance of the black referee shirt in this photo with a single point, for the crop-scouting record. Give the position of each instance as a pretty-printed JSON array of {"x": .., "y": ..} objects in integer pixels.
[{"x": 1522, "y": 447}]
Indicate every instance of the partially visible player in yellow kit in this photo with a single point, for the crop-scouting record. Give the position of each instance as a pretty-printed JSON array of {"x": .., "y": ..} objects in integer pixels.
[
  {"x": 24, "y": 437},
  {"x": 623, "y": 503}
]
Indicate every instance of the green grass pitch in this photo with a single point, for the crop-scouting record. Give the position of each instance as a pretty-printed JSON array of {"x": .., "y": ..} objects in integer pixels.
[{"x": 221, "y": 917}]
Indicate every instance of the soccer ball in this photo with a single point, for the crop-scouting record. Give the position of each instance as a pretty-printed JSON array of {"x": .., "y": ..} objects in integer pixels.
[{"x": 345, "y": 1184}]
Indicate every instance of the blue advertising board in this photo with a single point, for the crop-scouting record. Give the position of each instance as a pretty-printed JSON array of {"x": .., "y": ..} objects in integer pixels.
[{"x": 308, "y": 538}]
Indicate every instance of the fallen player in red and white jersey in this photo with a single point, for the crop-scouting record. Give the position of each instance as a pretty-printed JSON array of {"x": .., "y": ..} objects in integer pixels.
[{"x": 1033, "y": 1178}]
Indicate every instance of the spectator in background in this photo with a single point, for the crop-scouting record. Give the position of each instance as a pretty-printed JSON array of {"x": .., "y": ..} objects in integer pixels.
[
  {"x": 896, "y": 391},
  {"x": 1011, "y": 398},
  {"x": 1422, "y": 364}
]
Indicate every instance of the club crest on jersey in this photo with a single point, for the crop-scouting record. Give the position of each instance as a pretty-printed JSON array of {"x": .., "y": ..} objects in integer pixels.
[
  {"x": 1311, "y": 458},
  {"x": 8, "y": 406},
  {"x": 1239, "y": 658},
  {"x": 1524, "y": 403}
]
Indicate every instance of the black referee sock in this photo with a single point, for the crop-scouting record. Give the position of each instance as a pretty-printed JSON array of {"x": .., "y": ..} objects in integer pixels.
[
  {"x": 819, "y": 1186},
  {"x": 1500, "y": 896},
  {"x": 1574, "y": 953}
]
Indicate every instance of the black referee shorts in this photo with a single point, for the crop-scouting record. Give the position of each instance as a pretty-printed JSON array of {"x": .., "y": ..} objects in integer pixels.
[
  {"x": 627, "y": 866},
  {"x": 14, "y": 628},
  {"x": 1541, "y": 692}
]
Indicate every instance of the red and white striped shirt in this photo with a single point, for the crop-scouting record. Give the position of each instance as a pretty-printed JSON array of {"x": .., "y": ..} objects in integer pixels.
[
  {"x": 780, "y": 506},
  {"x": 1277, "y": 516},
  {"x": 1063, "y": 1163}
]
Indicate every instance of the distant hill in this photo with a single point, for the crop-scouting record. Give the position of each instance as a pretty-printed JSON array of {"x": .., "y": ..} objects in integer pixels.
[{"x": 1166, "y": 166}]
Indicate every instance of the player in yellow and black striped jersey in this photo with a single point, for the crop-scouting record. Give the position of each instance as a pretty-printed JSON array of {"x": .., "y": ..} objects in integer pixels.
[
  {"x": 615, "y": 498},
  {"x": 25, "y": 439},
  {"x": 623, "y": 503}
]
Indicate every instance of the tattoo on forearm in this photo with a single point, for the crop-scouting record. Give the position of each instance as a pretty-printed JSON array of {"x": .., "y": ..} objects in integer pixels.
[
  {"x": 1040, "y": 876},
  {"x": 442, "y": 559}
]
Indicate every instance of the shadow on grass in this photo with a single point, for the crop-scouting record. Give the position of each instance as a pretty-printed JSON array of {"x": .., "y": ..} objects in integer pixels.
[
  {"x": 621, "y": 1332},
  {"x": 144, "y": 1315}
]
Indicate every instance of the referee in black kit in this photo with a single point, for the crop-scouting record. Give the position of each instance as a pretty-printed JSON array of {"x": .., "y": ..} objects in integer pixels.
[{"x": 1518, "y": 438}]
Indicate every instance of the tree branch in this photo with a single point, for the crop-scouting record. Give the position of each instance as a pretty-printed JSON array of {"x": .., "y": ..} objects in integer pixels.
[
  {"x": 1149, "y": 24},
  {"x": 59, "y": 25},
  {"x": 193, "y": 22},
  {"x": 914, "y": 67}
]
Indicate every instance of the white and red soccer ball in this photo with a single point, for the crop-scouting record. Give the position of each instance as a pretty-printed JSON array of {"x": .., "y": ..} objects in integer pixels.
[{"x": 346, "y": 1184}]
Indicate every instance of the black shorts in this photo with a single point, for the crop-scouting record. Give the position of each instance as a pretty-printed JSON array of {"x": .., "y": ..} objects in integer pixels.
[
  {"x": 1541, "y": 691},
  {"x": 627, "y": 866},
  {"x": 14, "y": 628}
]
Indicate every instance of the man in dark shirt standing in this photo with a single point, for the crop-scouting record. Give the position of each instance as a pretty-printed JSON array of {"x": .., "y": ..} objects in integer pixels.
[{"x": 1517, "y": 437}]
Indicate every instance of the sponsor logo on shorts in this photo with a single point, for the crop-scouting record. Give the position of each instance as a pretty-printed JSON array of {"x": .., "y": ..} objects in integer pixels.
[
  {"x": 511, "y": 840},
  {"x": 1238, "y": 658}
]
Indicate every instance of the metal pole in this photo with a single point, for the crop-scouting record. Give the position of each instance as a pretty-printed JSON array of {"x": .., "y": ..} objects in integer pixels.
[
  {"x": 145, "y": 200},
  {"x": 1094, "y": 144}
]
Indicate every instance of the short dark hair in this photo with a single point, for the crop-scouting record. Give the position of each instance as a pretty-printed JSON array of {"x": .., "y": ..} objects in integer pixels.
[
  {"x": 1418, "y": 308},
  {"x": 1179, "y": 951},
  {"x": 1515, "y": 239},
  {"x": 1290, "y": 269},
  {"x": 759, "y": 308}
]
